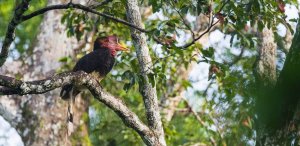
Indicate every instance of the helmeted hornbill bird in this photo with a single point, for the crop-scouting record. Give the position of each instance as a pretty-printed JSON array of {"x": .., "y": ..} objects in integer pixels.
[{"x": 100, "y": 62}]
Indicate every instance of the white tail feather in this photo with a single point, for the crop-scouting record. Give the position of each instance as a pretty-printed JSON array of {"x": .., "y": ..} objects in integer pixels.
[{"x": 70, "y": 125}]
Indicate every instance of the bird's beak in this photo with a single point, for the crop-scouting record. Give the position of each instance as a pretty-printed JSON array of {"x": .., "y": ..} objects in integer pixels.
[{"x": 122, "y": 47}]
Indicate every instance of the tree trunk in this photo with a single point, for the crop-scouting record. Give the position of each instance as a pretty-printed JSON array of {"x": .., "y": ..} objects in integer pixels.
[
  {"x": 41, "y": 119},
  {"x": 279, "y": 123},
  {"x": 265, "y": 73},
  {"x": 288, "y": 90},
  {"x": 147, "y": 90}
]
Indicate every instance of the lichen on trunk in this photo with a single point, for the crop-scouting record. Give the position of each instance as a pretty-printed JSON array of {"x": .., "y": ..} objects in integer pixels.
[
  {"x": 36, "y": 124},
  {"x": 147, "y": 90}
]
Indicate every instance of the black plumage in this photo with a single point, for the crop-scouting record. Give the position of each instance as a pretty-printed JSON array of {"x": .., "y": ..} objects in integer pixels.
[{"x": 100, "y": 62}]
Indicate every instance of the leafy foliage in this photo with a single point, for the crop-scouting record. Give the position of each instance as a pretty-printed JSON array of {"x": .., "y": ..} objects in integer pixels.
[
  {"x": 227, "y": 110},
  {"x": 25, "y": 33},
  {"x": 225, "y": 106}
]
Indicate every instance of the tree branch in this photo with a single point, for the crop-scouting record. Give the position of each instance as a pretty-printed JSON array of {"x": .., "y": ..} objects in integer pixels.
[
  {"x": 81, "y": 7},
  {"x": 129, "y": 118},
  {"x": 200, "y": 36},
  {"x": 10, "y": 33},
  {"x": 7, "y": 91},
  {"x": 211, "y": 25},
  {"x": 19, "y": 17},
  {"x": 100, "y": 4},
  {"x": 145, "y": 63}
]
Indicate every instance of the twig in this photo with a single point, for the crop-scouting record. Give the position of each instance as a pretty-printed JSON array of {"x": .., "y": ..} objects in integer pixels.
[
  {"x": 10, "y": 33},
  {"x": 200, "y": 36},
  {"x": 207, "y": 87},
  {"x": 211, "y": 25},
  {"x": 194, "y": 113},
  {"x": 184, "y": 22},
  {"x": 81, "y": 7},
  {"x": 200, "y": 120},
  {"x": 19, "y": 17},
  {"x": 80, "y": 78},
  {"x": 238, "y": 58},
  {"x": 100, "y": 4}
]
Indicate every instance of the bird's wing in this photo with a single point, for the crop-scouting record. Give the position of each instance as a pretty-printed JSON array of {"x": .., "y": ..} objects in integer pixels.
[
  {"x": 87, "y": 63},
  {"x": 99, "y": 61}
]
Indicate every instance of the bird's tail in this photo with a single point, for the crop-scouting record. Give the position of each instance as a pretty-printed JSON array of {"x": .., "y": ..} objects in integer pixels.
[
  {"x": 70, "y": 114},
  {"x": 66, "y": 92}
]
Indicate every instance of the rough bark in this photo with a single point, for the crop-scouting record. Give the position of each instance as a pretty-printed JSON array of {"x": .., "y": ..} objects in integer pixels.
[
  {"x": 288, "y": 90},
  {"x": 32, "y": 117},
  {"x": 35, "y": 125},
  {"x": 147, "y": 90},
  {"x": 266, "y": 61},
  {"x": 287, "y": 40},
  {"x": 10, "y": 35},
  {"x": 130, "y": 119},
  {"x": 280, "y": 120},
  {"x": 265, "y": 73}
]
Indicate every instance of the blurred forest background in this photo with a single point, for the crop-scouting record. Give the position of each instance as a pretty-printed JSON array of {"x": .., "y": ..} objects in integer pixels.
[{"x": 225, "y": 72}]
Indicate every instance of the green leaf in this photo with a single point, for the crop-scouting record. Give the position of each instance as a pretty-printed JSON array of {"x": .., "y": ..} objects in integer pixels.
[
  {"x": 156, "y": 5},
  {"x": 128, "y": 75},
  {"x": 186, "y": 84},
  {"x": 184, "y": 10},
  {"x": 260, "y": 25},
  {"x": 151, "y": 78},
  {"x": 127, "y": 86},
  {"x": 293, "y": 20},
  {"x": 65, "y": 59},
  {"x": 209, "y": 52}
]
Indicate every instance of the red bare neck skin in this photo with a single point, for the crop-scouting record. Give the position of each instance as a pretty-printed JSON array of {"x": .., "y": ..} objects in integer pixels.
[
  {"x": 113, "y": 52},
  {"x": 111, "y": 48}
]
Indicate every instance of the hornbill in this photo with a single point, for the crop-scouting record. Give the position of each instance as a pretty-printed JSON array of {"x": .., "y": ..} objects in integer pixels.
[{"x": 99, "y": 62}]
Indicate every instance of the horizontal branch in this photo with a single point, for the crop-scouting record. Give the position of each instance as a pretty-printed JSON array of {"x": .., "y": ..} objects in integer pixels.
[
  {"x": 7, "y": 91},
  {"x": 19, "y": 17},
  {"x": 14, "y": 86},
  {"x": 81, "y": 7}
]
